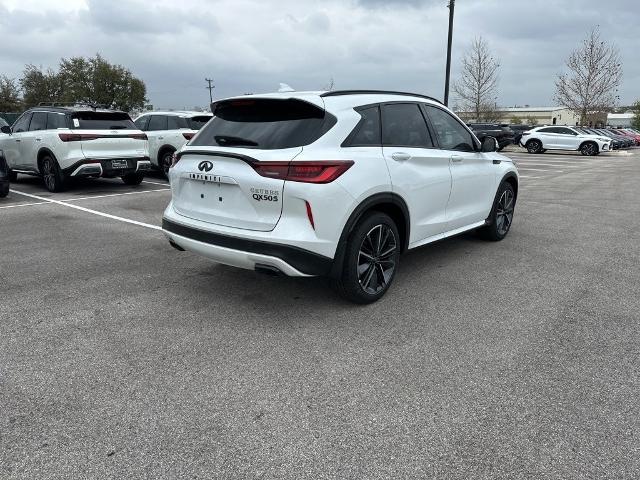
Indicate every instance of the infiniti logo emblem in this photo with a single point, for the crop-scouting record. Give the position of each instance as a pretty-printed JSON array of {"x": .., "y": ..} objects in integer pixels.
[{"x": 205, "y": 166}]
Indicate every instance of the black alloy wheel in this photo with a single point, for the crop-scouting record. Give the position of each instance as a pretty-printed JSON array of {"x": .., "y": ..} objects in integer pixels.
[
  {"x": 371, "y": 258},
  {"x": 165, "y": 163},
  {"x": 501, "y": 216},
  {"x": 534, "y": 146},
  {"x": 589, "y": 149},
  {"x": 51, "y": 174},
  {"x": 376, "y": 259}
]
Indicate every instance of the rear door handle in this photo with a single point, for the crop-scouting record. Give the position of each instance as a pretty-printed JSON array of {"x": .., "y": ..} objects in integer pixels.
[
  {"x": 38, "y": 139},
  {"x": 18, "y": 140},
  {"x": 456, "y": 158},
  {"x": 400, "y": 156},
  {"x": 160, "y": 138}
]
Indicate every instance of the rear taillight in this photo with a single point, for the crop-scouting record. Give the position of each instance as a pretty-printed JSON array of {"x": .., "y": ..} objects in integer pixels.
[
  {"x": 188, "y": 135},
  {"x": 77, "y": 137},
  {"x": 324, "y": 171},
  {"x": 138, "y": 136}
]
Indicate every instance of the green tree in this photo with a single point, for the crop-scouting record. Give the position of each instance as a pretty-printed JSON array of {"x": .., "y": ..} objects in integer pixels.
[
  {"x": 9, "y": 95},
  {"x": 87, "y": 80},
  {"x": 515, "y": 120},
  {"x": 39, "y": 86},
  {"x": 531, "y": 120},
  {"x": 635, "y": 120}
]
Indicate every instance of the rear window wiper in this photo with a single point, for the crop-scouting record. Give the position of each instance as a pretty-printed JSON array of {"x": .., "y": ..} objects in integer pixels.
[{"x": 228, "y": 140}]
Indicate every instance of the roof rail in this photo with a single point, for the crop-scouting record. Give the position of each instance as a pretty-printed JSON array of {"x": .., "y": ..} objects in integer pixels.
[
  {"x": 337, "y": 93},
  {"x": 73, "y": 104}
]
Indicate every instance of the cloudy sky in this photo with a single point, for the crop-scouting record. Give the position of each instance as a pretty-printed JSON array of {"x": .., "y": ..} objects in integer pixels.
[{"x": 252, "y": 45}]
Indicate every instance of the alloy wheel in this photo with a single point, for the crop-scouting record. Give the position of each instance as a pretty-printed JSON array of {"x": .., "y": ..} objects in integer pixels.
[
  {"x": 48, "y": 174},
  {"x": 376, "y": 259},
  {"x": 504, "y": 212}
]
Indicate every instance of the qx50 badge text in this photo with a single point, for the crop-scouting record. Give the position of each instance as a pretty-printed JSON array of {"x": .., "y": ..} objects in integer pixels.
[{"x": 205, "y": 166}]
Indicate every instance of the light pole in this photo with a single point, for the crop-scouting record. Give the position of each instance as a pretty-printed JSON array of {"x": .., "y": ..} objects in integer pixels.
[
  {"x": 210, "y": 88},
  {"x": 452, "y": 4}
]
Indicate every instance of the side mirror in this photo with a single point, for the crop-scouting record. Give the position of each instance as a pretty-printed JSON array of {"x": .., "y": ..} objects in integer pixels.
[
  {"x": 6, "y": 129},
  {"x": 489, "y": 144}
]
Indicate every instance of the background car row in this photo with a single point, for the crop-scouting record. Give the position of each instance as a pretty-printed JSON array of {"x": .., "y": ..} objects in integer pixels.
[
  {"x": 60, "y": 143},
  {"x": 512, "y": 134}
]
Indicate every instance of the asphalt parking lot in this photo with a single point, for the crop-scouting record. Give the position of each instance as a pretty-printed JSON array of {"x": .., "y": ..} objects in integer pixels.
[{"x": 123, "y": 358}]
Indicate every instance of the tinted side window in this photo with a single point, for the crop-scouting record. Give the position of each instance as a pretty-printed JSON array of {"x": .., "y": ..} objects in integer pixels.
[
  {"x": 56, "y": 120},
  {"x": 38, "y": 121},
  {"x": 142, "y": 122},
  {"x": 157, "y": 122},
  {"x": 404, "y": 126},
  {"x": 566, "y": 131},
  {"x": 547, "y": 130},
  {"x": 367, "y": 131},
  {"x": 22, "y": 124},
  {"x": 176, "y": 123},
  {"x": 450, "y": 132}
]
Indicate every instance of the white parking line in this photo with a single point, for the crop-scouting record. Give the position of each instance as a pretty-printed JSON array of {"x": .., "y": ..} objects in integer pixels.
[
  {"x": 88, "y": 210},
  {"x": 156, "y": 183},
  {"x": 115, "y": 195},
  {"x": 539, "y": 169},
  {"x": 23, "y": 205}
]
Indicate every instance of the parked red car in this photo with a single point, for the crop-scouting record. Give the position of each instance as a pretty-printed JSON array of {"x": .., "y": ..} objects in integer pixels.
[{"x": 628, "y": 133}]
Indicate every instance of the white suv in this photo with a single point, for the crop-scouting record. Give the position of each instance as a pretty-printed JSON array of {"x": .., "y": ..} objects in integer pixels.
[
  {"x": 336, "y": 184},
  {"x": 59, "y": 143},
  {"x": 540, "y": 139},
  {"x": 168, "y": 132}
]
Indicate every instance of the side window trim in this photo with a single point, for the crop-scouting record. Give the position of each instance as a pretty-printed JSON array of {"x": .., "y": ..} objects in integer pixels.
[
  {"x": 354, "y": 132},
  {"x": 474, "y": 139}
]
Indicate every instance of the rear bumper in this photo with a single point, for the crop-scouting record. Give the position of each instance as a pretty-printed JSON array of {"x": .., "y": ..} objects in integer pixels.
[
  {"x": 95, "y": 167},
  {"x": 247, "y": 253}
]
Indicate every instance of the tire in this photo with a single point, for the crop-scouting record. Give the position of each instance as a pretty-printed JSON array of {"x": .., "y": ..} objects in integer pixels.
[
  {"x": 164, "y": 162},
  {"x": 4, "y": 189},
  {"x": 133, "y": 178},
  {"x": 13, "y": 176},
  {"x": 589, "y": 149},
  {"x": 371, "y": 258},
  {"x": 534, "y": 146},
  {"x": 53, "y": 177},
  {"x": 501, "y": 216}
]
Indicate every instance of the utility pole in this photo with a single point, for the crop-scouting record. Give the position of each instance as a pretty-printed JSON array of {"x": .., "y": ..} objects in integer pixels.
[
  {"x": 452, "y": 4},
  {"x": 210, "y": 88}
]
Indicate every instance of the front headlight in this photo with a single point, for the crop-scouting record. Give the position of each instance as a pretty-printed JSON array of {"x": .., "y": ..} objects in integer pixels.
[{"x": 604, "y": 139}]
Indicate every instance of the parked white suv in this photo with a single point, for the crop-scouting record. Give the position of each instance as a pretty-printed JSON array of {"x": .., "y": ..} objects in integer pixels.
[
  {"x": 336, "y": 184},
  {"x": 58, "y": 143},
  {"x": 168, "y": 132},
  {"x": 539, "y": 139}
]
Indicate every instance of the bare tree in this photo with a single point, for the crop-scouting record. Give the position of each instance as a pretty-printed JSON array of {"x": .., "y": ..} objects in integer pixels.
[
  {"x": 329, "y": 86},
  {"x": 478, "y": 83},
  {"x": 595, "y": 72}
]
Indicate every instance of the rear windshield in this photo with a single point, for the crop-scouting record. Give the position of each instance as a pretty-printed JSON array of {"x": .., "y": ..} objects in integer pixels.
[
  {"x": 102, "y": 121},
  {"x": 196, "y": 123},
  {"x": 266, "y": 124}
]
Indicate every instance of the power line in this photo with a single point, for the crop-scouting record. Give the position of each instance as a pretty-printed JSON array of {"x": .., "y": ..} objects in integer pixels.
[{"x": 210, "y": 88}]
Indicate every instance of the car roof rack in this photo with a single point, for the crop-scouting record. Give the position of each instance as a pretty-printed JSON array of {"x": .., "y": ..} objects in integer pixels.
[
  {"x": 94, "y": 106},
  {"x": 337, "y": 93}
]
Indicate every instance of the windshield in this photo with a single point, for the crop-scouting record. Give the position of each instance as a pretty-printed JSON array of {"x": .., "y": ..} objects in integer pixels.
[{"x": 102, "y": 121}]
